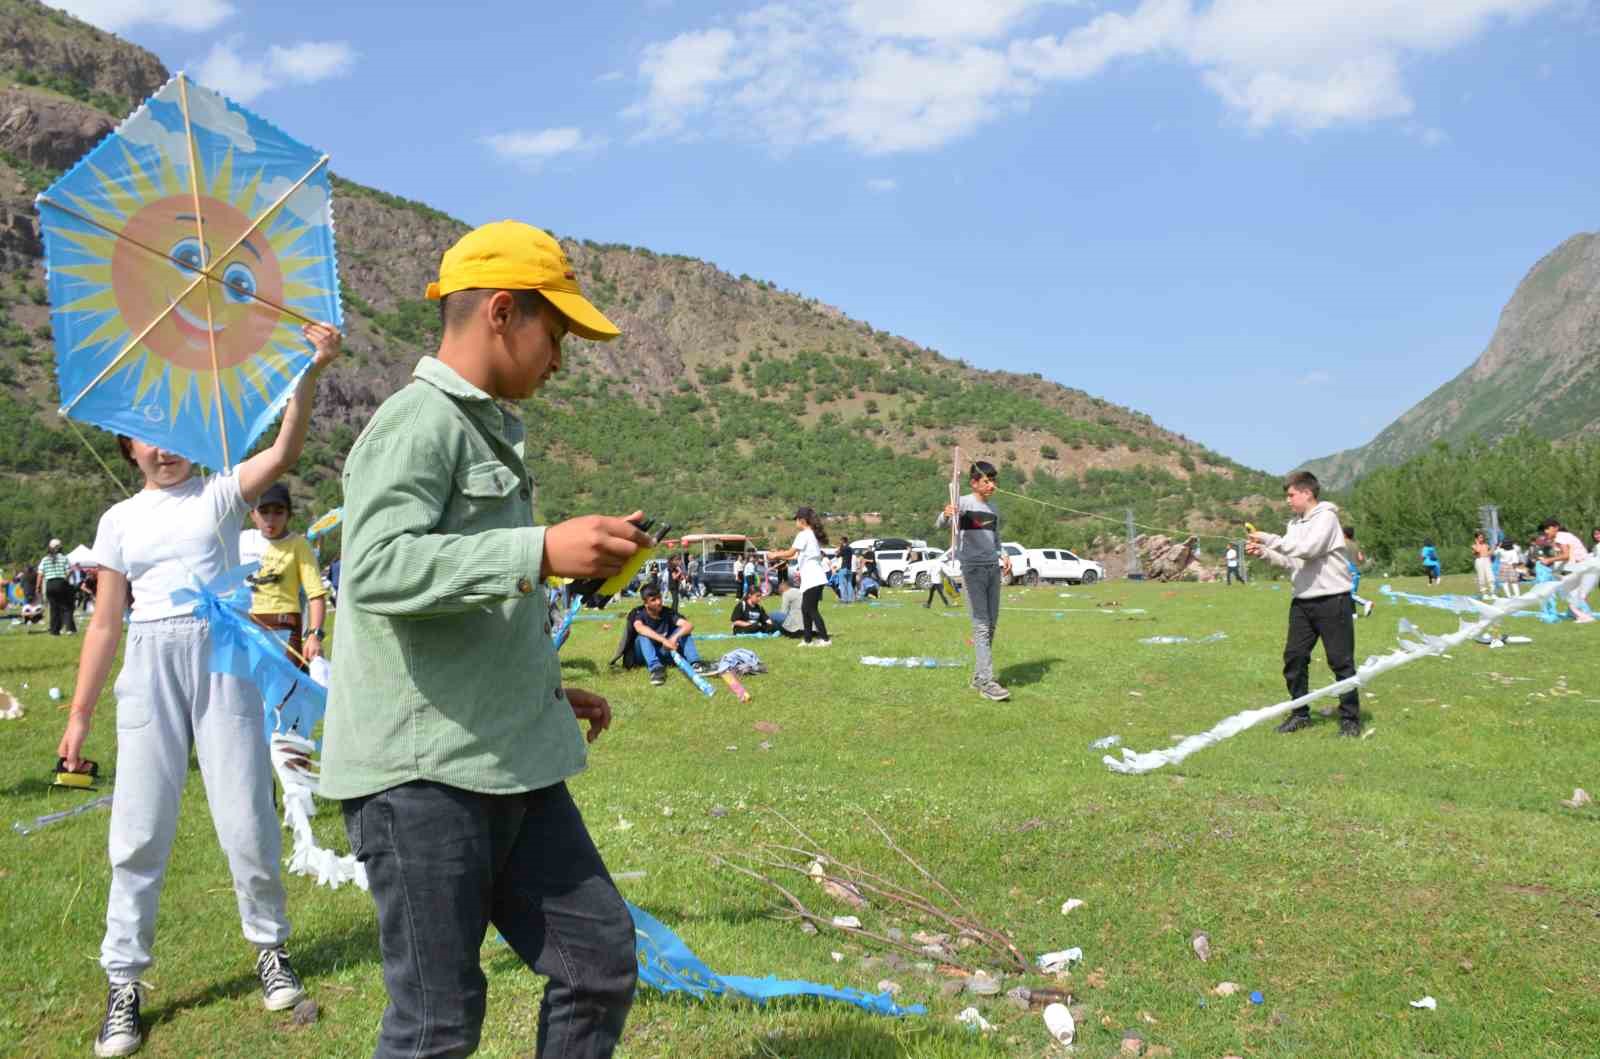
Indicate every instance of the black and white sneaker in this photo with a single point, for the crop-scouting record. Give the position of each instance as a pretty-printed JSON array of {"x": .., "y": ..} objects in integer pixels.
[
  {"x": 700, "y": 666},
  {"x": 280, "y": 986},
  {"x": 658, "y": 677},
  {"x": 994, "y": 691},
  {"x": 121, "y": 1032}
]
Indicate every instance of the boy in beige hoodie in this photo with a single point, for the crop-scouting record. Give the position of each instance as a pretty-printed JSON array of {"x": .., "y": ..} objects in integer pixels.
[{"x": 1313, "y": 550}]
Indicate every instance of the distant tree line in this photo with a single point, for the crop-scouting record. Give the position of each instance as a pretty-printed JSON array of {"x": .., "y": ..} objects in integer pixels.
[{"x": 1436, "y": 496}]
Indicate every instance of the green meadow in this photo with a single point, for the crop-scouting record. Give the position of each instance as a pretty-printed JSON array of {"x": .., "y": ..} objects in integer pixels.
[{"x": 1341, "y": 879}]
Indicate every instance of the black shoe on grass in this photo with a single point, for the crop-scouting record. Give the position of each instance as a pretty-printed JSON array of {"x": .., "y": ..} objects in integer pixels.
[
  {"x": 1294, "y": 723},
  {"x": 1349, "y": 728}
]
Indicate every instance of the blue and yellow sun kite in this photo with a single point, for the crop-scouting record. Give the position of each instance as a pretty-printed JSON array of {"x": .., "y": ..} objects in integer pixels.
[{"x": 184, "y": 252}]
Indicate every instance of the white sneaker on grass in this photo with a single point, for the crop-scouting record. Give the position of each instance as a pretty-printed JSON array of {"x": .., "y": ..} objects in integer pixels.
[
  {"x": 121, "y": 1032},
  {"x": 280, "y": 986}
]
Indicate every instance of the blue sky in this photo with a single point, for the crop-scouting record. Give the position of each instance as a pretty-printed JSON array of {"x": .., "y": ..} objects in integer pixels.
[{"x": 1273, "y": 225}]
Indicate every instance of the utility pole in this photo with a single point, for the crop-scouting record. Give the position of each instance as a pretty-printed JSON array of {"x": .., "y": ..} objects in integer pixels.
[
  {"x": 1134, "y": 573},
  {"x": 1489, "y": 522}
]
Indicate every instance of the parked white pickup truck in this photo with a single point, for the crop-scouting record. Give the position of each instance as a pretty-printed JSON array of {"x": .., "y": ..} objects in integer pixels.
[
  {"x": 1054, "y": 566},
  {"x": 1020, "y": 564},
  {"x": 895, "y": 566}
]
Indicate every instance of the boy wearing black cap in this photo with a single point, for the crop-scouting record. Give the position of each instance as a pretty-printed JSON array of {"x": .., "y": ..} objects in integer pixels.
[{"x": 287, "y": 568}]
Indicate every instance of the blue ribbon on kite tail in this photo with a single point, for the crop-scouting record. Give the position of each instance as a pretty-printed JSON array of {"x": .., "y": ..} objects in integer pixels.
[
  {"x": 1458, "y": 604},
  {"x": 666, "y": 964},
  {"x": 564, "y": 630},
  {"x": 291, "y": 700}
]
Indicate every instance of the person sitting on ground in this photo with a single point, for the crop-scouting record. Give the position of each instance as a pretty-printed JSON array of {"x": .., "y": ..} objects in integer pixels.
[
  {"x": 750, "y": 619},
  {"x": 793, "y": 623},
  {"x": 869, "y": 587},
  {"x": 657, "y": 630}
]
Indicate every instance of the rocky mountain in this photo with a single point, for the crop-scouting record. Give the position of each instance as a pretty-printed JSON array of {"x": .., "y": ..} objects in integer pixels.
[
  {"x": 727, "y": 401},
  {"x": 1541, "y": 371}
]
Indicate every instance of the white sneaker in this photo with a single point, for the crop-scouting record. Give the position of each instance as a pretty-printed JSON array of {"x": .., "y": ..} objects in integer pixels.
[
  {"x": 829, "y": 643},
  {"x": 121, "y": 1032},
  {"x": 1366, "y": 610}
]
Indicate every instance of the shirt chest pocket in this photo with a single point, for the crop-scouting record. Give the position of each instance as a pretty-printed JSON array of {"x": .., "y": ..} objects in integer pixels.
[{"x": 492, "y": 493}]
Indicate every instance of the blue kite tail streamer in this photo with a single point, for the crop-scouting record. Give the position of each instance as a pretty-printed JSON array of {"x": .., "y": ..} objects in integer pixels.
[
  {"x": 667, "y": 964},
  {"x": 699, "y": 681},
  {"x": 291, "y": 700},
  {"x": 1458, "y": 604},
  {"x": 734, "y": 636},
  {"x": 565, "y": 628}
]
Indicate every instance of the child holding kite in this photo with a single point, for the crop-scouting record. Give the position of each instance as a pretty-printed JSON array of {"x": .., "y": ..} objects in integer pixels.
[
  {"x": 984, "y": 565},
  {"x": 1317, "y": 555},
  {"x": 179, "y": 530}
]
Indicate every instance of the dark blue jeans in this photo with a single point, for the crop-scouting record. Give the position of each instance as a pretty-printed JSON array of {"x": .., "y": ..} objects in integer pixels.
[{"x": 443, "y": 864}]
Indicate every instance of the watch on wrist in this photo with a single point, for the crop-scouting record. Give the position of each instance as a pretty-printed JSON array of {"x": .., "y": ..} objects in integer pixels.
[{"x": 315, "y": 632}]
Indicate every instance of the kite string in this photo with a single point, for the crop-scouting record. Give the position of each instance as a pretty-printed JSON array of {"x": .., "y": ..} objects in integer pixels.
[
  {"x": 118, "y": 482},
  {"x": 1111, "y": 519}
]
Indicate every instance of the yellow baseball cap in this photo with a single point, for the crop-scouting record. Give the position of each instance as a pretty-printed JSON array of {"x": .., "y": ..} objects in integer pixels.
[{"x": 510, "y": 255}]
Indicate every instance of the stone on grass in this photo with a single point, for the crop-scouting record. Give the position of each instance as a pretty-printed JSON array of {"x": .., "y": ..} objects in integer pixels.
[
  {"x": 306, "y": 1012},
  {"x": 1201, "y": 943}
]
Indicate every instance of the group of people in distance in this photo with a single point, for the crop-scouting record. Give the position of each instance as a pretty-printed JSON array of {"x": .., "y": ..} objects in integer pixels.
[
  {"x": 1501, "y": 567},
  {"x": 65, "y": 587}
]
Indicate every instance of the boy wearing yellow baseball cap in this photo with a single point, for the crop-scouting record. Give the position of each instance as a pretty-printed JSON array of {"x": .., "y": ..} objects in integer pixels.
[{"x": 449, "y": 737}]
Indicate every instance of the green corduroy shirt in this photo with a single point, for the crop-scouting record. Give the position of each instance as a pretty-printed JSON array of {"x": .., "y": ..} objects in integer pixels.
[{"x": 443, "y": 668}]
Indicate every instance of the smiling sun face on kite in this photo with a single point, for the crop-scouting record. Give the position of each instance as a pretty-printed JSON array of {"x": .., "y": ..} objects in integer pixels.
[{"x": 195, "y": 330}]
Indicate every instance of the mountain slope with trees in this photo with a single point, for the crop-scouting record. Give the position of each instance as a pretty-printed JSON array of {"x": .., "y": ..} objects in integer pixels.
[
  {"x": 1540, "y": 372},
  {"x": 726, "y": 403}
]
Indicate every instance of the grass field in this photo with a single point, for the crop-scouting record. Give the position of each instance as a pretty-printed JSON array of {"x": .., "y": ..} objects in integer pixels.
[{"x": 1340, "y": 878}]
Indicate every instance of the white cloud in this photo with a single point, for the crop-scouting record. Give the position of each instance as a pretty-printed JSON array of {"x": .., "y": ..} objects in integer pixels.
[
  {"x": 942, "y": 19},
  {"x": 244, "y": 77},
  {"x": 207, "y": 110},
  {"x": 309, "y": 203},
  {"x": 537, "y": 146},
  {"x": 193, "y": 16},
  {"x": 1318, "y": 377},
  {"x": 609, "y": 75},
  {"x": 882, "y": 185},
  {"x": 311, "y": 61},
  {"x": 903, "y": 75}
]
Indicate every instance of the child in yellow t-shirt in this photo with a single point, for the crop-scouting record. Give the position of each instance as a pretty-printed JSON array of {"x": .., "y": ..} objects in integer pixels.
[{"x": 287, "y": 567}]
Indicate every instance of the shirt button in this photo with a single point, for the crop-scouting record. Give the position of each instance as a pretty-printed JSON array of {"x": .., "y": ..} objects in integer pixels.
[{"x": 524, "y": 585}]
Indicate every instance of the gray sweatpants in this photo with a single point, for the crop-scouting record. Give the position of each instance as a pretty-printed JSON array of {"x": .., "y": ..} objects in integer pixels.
[
  {"x": 167, "y": 701},
  {"x": 981, "y": 585}
]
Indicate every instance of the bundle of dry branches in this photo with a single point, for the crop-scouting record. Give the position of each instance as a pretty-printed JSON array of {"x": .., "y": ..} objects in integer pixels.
[{"x": 968, "y": 942}]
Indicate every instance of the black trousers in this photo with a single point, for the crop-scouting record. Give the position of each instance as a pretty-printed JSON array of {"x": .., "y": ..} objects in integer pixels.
[
  {"x": 811, "y": 614},
  {"x": 60, "y": 594},
  {"x": 1331, "y": 620},
  {"x": 1234, "y": 575}
]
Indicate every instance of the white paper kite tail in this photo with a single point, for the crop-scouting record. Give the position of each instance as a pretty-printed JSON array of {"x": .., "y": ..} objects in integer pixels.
[
  {"x": 1425, "y": 646},
  {"x": 291, "y": 760}
]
